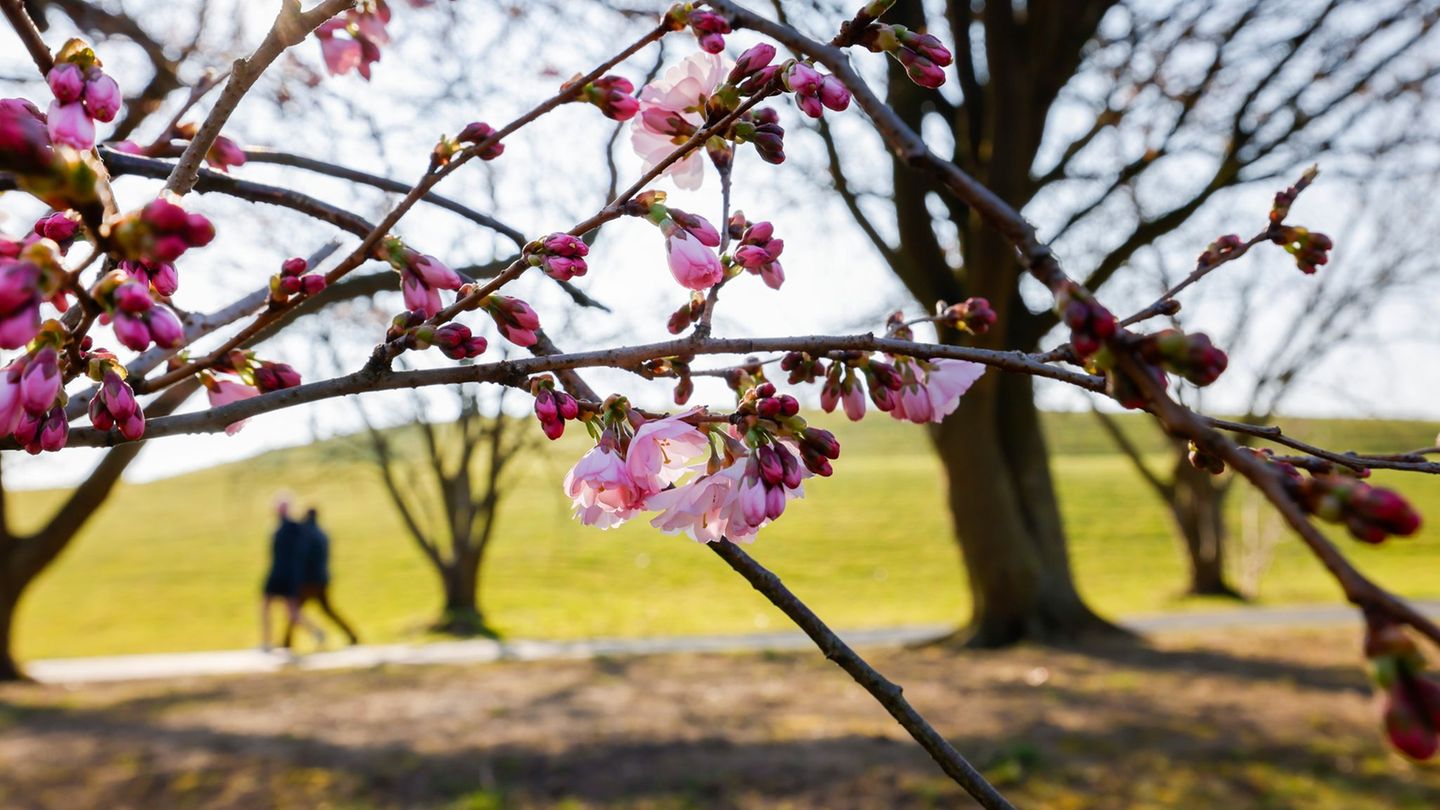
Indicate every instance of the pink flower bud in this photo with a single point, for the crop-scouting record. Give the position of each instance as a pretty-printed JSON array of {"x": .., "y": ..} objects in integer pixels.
[
  {"x": 132, "y": 427},
  {"x": 434, "y": 272},
  {"x": 312, "y": 283},
  {"x": 24, "y": 141},
  {"x": 102, "y": 95},
  {"x": 479, "y": 132},
  {"x": 163, "y": 216},
  {"x": 55, "y": 431},
  {"x": 118, "y": 399},
  {"x": 225, "y": 153},
  {"x": 341, "y": 55},
  {"x": 199, "y": 230},
  {"x": 40, "y": 382},
  {"x": 132, "y": 297},
  {"x": 165, "y": 327},
  {"x": 568, "y": 407},
  {"x": 546, "y": 408},
  {"x": 294, "y": 267},
  {"x": 164, "y": 278},
  {"x": 698, "y": 226},
  {"x": 66, "y": 81},
  {"x": 57, "y": 226},
  {"x": 692, "y": 264},
  {"x": 833, "y": 94},
  {"x": 70, "y": 125},
  {"x": 750, "y": 61},
  {"x": 802, "y": 79},
  {"x": 131, "y": 331},
  {"x": 168, "y": 248}
]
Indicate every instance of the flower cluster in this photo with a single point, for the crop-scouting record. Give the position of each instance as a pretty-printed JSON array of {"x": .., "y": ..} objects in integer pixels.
[
  {"x": 137, "y": 318},
  {"x": 32, "y": 402},
  {"x": 814, "y": 91},
  {"x": 114, "y": 404},
  {"x": 1192, "y": 357},
  {"x": 160, "y": 232},
  {"x": 1091, "y": 324},
  {"x": 973, "y": 315},
  {"x": 263, "y": 375},
  {"x": 30, "y": 274},
  {"x": 294, "y": 278},
  {"x": 560, "y": 255},
  {"x": 83, "y": 94},
  {"x": 924, "y": 56},
  {"x": 1410, "y": 700},
  {"x": 614, "y": 95},
  {"x": 454, "y": 340},
  {"x": 1370, "y": 513},
  {"x": 755, "y": 465},
  {"x": 757, "y": 250},
  {"x": 1309, "y": 249},
  {"x": 709, "y": 28},
  {"x": 552, "y": 407},
  {"x": 364, "y": 29},
  {"x": 517, "y": 322},
  {"x": 422, "y": 277}
]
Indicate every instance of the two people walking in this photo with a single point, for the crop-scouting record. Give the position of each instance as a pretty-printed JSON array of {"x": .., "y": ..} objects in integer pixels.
[{"x": 299, "y": 573}]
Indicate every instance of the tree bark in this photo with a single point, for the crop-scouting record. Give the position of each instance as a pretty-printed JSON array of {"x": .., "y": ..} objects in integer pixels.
[
  {"x": 10, "y": 669},
  {"x": 461, "y": 614},
  {"x": 1197, "y": 506}
]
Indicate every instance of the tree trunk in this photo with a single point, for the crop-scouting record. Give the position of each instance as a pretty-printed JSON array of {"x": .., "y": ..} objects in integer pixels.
[
  {"x": 1198, "y": 508},
  {"x": 461, "y": 614},
  {"x": 9, "y": 597},
  {"x": 1007, "y": 521}
]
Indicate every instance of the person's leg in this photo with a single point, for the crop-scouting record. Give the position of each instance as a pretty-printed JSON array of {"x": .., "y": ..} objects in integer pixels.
[
  {"x": 265, "y": 628},
  {"x": 292, "y": 618},
  {"x": 322, "y": 598}
]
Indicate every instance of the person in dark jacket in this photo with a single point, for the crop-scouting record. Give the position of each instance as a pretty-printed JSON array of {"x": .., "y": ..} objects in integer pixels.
[
  {"x": 314, "y": 577},
  {"x": 282, "y": 583}
]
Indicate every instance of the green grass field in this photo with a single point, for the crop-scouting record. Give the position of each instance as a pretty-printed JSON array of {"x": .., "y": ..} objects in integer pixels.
[{"x": 177, "y": 564}]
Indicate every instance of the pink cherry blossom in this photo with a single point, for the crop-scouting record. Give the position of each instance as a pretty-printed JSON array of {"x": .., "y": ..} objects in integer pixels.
[
  {"x": 697, "y": 508},
  {"x": 660, "y": 451},
  {"x": 680, "y": 94},
  {"x": 947, "y": 381},
  {"x": 601, "y": 488},
  {"x": 225, "y": 392}
]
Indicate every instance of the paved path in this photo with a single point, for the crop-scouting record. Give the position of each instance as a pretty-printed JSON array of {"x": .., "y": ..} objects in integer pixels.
[{"x": 230, "y": 662}]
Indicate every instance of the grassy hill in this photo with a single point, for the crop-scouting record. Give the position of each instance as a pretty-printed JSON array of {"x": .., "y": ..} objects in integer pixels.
[{"x": 177, "y": 564}]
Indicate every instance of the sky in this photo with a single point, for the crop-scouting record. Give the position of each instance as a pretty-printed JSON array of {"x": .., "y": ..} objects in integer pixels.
[{"x": 553, "y": 174}]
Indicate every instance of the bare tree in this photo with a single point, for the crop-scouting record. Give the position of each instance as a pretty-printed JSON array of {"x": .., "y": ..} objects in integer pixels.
[
  {"x": 446, "y": 480},
  {"x": 1112, "y": 124}
]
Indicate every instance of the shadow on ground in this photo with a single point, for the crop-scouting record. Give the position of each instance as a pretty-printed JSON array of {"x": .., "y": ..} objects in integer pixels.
[{"x": 1259, "y": 719}]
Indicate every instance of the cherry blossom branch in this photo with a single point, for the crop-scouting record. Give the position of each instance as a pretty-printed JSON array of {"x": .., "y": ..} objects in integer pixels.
[
  {"x": 516, "y": 372},
  {"x": 1408, "y": 462},
  {"x": 29, "y": 35},
  {"x": 290, "y": 28},
  {"x": 417, "y": 192},
  {"x": 1166, "y": 304},
  {"x": 888, "y": 693}
]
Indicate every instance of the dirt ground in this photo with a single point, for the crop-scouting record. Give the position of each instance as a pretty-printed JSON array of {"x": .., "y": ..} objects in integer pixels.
[{"x": 1263, "y": 719}]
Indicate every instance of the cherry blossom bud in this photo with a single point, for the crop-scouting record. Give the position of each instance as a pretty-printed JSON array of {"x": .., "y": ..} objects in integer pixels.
[
  {"x": 458, "y": 343},
  {"x": 294, "y": 267},
  {"x": 163, "y": 216},
  {"x": 165, "y": 327},
  {"x": 69, "y": 125},
  {"x": 614, "y": 96},
  {"x": 275, "y": 376},
  {"x": 698, "y": 226},
  {"x": 225, "y": 153},
  {"x": 59, "y": 226},
  {"x": 67, "y": 82},
  {"x": 479, "y": 132},
  {"x": 41, "y": 381},
  {"x": 54, "y": 431},
  {"x": 312, "y": 283},
  {"x": 751, "y": 61},
  {"x": 833, "y": 94},
  {"x": 199, "y": 230},
  {"x": 102, "y": 95},
  {"x": 568, "y": 406},
  {"x": 709, "y": 29},
  {"x": 802, "y": 79},
  {"x": 515, "y": 319},
  {"x": 24, "y": 141},
  {"x": 693, "y": 265},
  {"x": 1201, "y": 460},
  {"x": 131, "y": 331}
]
